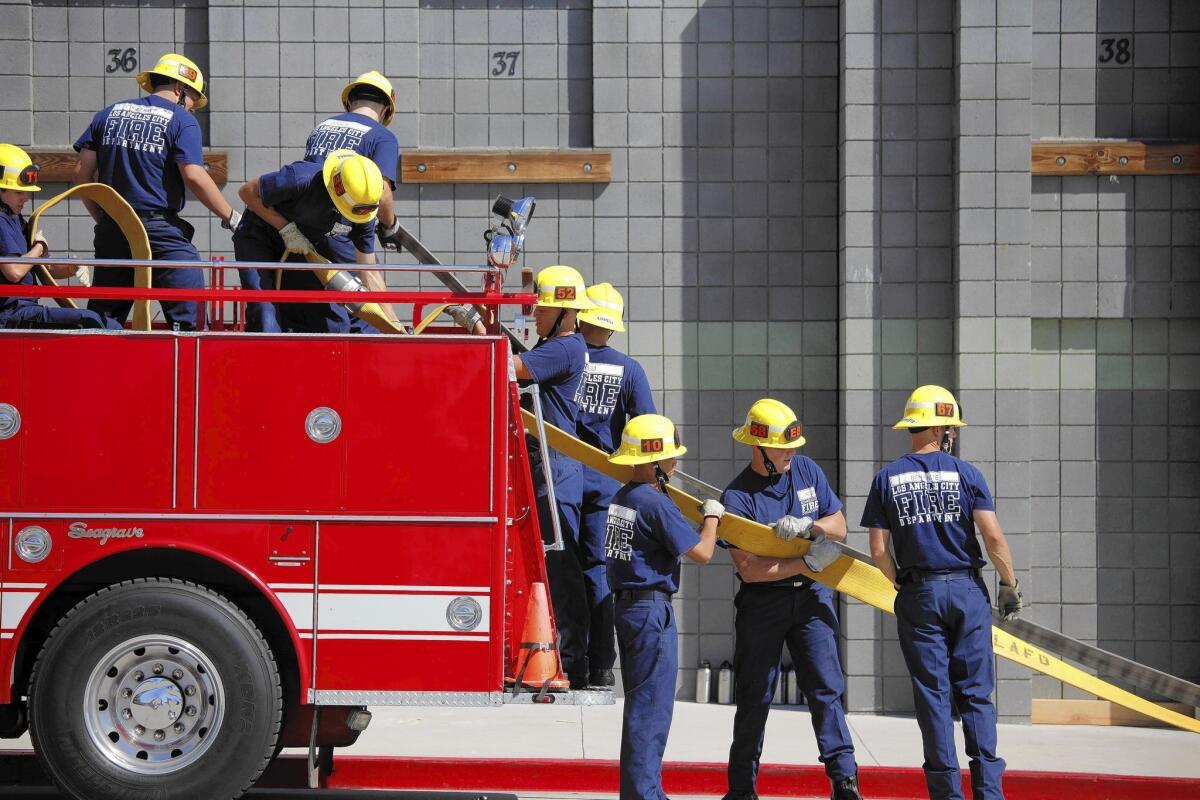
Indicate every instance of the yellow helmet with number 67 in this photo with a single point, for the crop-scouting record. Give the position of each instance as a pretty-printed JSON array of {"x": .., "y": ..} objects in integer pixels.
[
  {"x": 931, "y": 406},
  {"x": 648, "y": 438}
]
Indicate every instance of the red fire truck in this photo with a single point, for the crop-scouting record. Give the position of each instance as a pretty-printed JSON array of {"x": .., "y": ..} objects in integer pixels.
[{"x": 219, "y": 544}]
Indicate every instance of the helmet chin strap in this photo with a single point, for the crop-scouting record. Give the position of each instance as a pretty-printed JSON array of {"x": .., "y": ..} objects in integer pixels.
[
  {"x": 768, "y": 464},
  {"x": 661, "y": 477},
  {"x": 562, "y": 312}
]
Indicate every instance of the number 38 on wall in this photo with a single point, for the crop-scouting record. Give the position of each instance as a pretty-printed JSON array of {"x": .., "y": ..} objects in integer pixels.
[
  {"x": 1118, "y": 51},
  {"x": 121, "y": 59}
]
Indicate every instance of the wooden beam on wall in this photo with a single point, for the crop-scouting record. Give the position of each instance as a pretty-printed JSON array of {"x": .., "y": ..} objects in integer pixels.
[
  {"x": 506, "y": 166},
  {"x": 58, "y": 163},
  {"x": 1114, "y": 157}
]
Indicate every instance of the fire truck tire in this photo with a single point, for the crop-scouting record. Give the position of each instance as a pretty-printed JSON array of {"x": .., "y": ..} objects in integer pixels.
[{"x": 155, "y": 687}]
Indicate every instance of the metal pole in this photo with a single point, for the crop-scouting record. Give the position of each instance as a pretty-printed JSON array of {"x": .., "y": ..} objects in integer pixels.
[{"x": 533, "y": 391}]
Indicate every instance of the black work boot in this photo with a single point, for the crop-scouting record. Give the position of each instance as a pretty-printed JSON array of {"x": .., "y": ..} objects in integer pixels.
[
  {"x": 602, "y": 677},
  {"x": 846, "y": 789}
]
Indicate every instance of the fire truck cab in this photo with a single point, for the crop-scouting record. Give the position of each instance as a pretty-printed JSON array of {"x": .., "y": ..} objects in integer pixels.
[{"x": 220, "y": 544}]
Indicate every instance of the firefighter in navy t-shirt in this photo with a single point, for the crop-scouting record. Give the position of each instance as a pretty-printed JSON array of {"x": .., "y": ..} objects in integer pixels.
[
  {"x": 148, "y": 149},
  {"x": 646, "y": 536},
  {"x": 613, "y": 390},
  {"x": 779, "y": 602},
  {"x": 555, "y": 364},
  {"x": 370, "y": 103},
  {"x": 922, "y": 511},
  {"x": 296, "y": 210},
  {"x": 18, "y": 181}
]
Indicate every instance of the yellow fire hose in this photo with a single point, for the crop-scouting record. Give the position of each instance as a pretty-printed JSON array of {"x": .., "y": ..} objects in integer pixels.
[
  {"x": 863, "y": 582},
  {"x": 127, "y": 220},
  {"x": 371, "y": 313}
]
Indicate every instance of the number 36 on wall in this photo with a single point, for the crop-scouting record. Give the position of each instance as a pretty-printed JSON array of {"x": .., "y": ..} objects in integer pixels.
[{"x": 122, "y": 59}]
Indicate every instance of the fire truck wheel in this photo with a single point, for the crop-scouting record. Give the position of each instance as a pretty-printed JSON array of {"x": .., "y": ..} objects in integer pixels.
[{"x": 155, "y": 687}]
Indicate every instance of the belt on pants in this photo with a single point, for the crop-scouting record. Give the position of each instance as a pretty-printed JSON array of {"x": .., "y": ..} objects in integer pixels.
[
  {"x": 633, "y": 595},
  {"x": 919, "y": 576},
  {"x": 798, "y": 583}
]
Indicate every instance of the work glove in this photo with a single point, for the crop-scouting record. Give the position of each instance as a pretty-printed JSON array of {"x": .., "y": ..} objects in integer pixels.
[
  {"x": 40, "y": 237},
  {"x": 389, "y": 237},
  {"x": 821, "y": 554},
  {"x": 83, "y": 274},
  {"x": 712, "y": 508},
  {"x": 235, "y": 219},
  {"x": 294, "y": 241},
  {"x": 467, "y": 317},
  {"x": 1008, "y": 600},
  {"x": 788, "y": 528}
]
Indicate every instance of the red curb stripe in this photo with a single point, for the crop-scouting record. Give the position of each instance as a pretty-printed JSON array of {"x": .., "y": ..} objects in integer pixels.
[{"x": 602, "y": 777}]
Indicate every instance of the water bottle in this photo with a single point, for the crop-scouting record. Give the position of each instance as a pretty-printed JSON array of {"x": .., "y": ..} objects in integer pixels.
[
  {"x": 725, "y": 684},
  {"x": 703, "y": 682}
]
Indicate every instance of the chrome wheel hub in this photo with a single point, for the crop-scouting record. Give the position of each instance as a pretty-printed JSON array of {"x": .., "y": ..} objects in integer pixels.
[{"x": 153, "y": 704}]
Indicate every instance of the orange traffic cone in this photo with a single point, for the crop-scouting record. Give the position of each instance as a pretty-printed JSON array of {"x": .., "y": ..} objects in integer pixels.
[{"x": 537, "y": 663}]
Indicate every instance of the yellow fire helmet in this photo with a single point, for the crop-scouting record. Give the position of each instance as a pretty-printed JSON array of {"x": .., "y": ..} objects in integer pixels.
[
  {"x": 930, "y": 406},
  {"x": 17, "y": 170},
  {"x": 770, "y": 423},
  {"x": 646, "y": 439},
  {"x": 562, "y": 287},
  {"x": 607, "y": 310},
  {"x": 375, "y": 80},
  {"x": 179, "y": 68},
  {"x": 354, "y": 184}
]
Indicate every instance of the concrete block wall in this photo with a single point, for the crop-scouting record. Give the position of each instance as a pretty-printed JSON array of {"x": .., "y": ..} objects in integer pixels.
[
  {"x": 1115, "y": 302},
  {"x": 826, "y": 202}
]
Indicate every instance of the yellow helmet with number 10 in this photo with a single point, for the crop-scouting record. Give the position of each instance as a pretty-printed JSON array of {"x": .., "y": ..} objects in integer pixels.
[
  {"x": 930, "y": 406},
  {"x": 646, "y": 439},
  {"x": 179, "y": 68}
]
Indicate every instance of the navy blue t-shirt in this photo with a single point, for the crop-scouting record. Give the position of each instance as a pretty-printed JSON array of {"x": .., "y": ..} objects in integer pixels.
[
  {"x": 613, "y": 389},
  {"x": 644, "y": 538},
  {"x": 138, "y": 144},
  {"x": 801, "y": 491},
  {"x": 297, "y": 191},
  {"x": 13, "y": 244},
  {"x": 556, "y": 365},
  {"x": 926, "y": 501},
  {"x": 359, "y": 133}
]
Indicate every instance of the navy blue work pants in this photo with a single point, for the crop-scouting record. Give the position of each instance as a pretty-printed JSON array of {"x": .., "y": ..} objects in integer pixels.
[
  {"x": 47, "y": 317},
  {"x": 805, "y": 619},
  {"x": 945, "y": 629},
  {"x": 170, "y": 240},
  {"x": 598, "y": 491},
  {"x": 564, "y": 568},
  {"x": 648, "y": 643}
]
